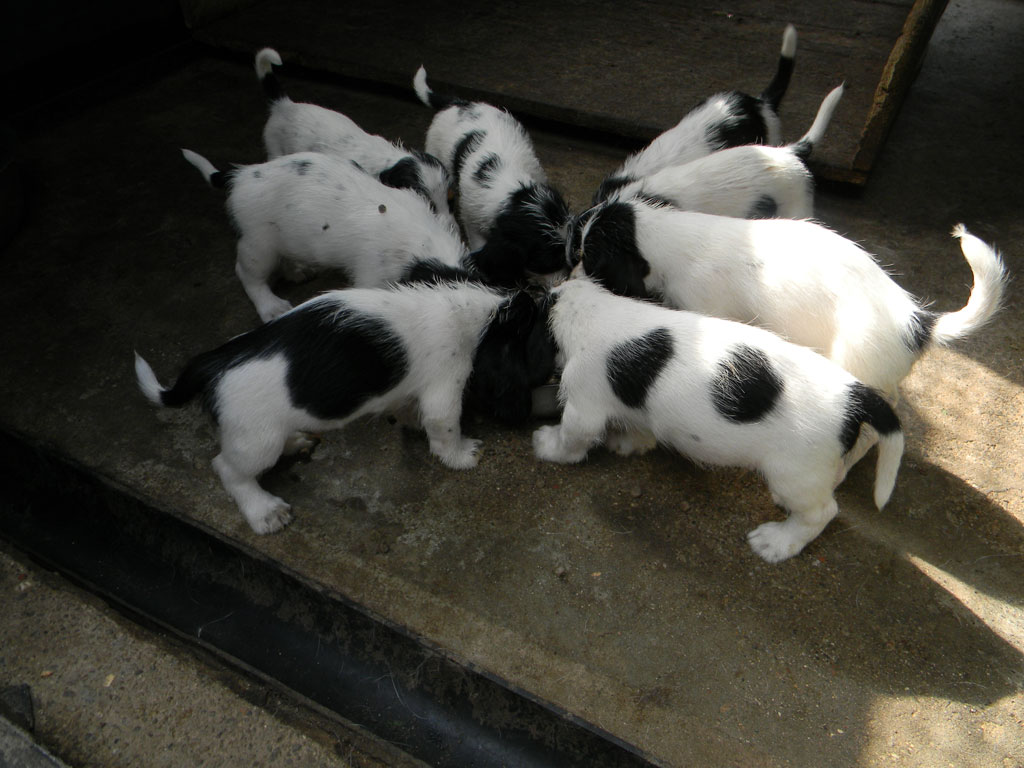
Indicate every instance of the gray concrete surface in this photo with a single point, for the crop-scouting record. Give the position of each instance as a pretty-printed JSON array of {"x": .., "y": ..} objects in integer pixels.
[{"x": 620, "y": 590}]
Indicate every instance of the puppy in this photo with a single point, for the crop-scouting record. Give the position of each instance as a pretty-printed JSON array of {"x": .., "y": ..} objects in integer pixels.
[
  {"x": 514, "y": 220},
  {"x": 298, "y": 127},
  {"x": 796, "y": 278},
  {"x": 356, "y": 352},
  {"x": 323, "y": 211},
  {"x": 722, "y": 393},
  {"x": 753, "y": 181},
  {"x": 727, "y": 119}
]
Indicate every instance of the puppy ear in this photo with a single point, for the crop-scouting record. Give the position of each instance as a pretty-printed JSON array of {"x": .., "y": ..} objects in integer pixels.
[
  {"x": 620, "y": 273},
  {"x": 610, "y": 252},
  {"x": 501, "y": 261}
]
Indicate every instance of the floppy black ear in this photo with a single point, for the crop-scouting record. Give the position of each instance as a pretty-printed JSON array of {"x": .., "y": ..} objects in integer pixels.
[
  {"x": 501, "y": 383},
  {"x": 501, "y": 261},
  {"x": 610, "y": 253}
]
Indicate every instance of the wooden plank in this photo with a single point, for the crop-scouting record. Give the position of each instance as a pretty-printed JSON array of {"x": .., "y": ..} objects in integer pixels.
[{"x": 628, "y": 68}]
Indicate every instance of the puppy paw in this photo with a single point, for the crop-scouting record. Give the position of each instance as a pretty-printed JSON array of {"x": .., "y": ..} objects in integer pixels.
[
  {"x": 300, "y": 442},
  {"x": 268, "y": 515},
  {"x": 464, "y": 456},
  {"x": 774, "y": 542},
  {"x": 629, "y": 443},
  {"x": 271, "y": 310},
  {"x": 547, "y": 446}
]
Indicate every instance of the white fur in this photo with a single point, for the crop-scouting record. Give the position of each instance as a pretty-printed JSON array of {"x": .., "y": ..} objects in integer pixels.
[
  {"x": 805, "y": 282},
  {"x": 796, "y": 446},
  {"x": 732, "y": 182},
  {"x": 688, "y": 139},
  {"x": 504, "y": 136},
  {"x": 300, "y": 127},
  {"x": 438, "y": 328},
  {"x": 331, "y": 215}
]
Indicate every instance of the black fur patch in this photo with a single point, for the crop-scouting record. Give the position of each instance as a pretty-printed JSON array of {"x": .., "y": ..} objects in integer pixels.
[
  {"x": 466, "y": 146},
  {"x": 433, "y": 271},
  {"x": 802, "y": 149},
  {"x": 920, "y": 329},
  {"x": 747, "y": 386},
  {"x": 866, "y": 406},
  {"x": 764, "y": 208},
  {"x": 633, "y": 366},
  {"x": 337, "y": 360},
  {"x": 745, "y": 124},
  {"x": 301, "y": 167},
  {"x": 405, "y": 174},
  {"x": 484, "y": 173},
  {"x": 609, "y": 187},
  {"x": 610, "y": 252},
  {"x": 527, "y": 236},
  {"x": 515, "y": 354}
]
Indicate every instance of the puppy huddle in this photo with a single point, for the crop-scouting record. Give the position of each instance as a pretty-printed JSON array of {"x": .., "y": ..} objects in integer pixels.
[{"x": 433, "y": 320}]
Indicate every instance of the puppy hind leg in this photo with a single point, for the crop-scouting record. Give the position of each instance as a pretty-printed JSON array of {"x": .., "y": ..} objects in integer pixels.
[
  {"x": 569, "y": 441},
  {"x": 254, "y": 265},
  {"x": 242, "y": 459},
  {"x": 779, "y": 541},
  {"x": 440, "y": 415}
]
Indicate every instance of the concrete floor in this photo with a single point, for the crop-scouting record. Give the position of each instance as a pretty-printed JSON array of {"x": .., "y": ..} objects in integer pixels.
[{"x": 621, "y": 591}]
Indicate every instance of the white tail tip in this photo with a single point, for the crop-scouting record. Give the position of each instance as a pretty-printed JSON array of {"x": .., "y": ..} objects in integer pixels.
[
  {"x": 789, "y": 42},
  {"x": 204, "y": 166},
  {"x": 419, "y": 84},
  {"x": 265, "y": 60},
  {"x": 147, "y": 381}
]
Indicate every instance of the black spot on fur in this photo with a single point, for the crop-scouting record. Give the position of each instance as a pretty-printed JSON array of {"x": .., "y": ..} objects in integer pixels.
[
  {"x": 747, "y": 386},
  {"x": 337, "y": 360},
  {"x": 802, "y": 149},
  {"x": 257, "y": 174},
  {"x": 920, "y": 329},
  {"x": 466, "y": 146},
  {"x": 325, "y": 227},
  {"x": 301, "y": 167},
  {"x": 745, "y": 124},
  {"x": 433, "y": 271},
  {"x": 382, "y": 208},
  {"x": 764, "y": 208},
  {"x": 484, "y": 173},
  {"x": 405, "y": 174},
  {"x": 609, "y": 187},
  {"x": 633, "y": 366},
  {"x": 866, "y": 406},
  {"x": 610, "y": 252},
  {"x": 515, "y": 355}
]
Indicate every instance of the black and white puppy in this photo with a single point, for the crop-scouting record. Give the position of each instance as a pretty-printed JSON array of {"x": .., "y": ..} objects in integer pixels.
[
  {"x": 514, "y": 220},
  {"x": 352, "y": 353},
  {"x": 722, "y": 393},
  {"x": 727, "y": 119},
  {"x": 300, "y": 127},
  {"x": 753, "y": 181},
  {"x": 796, "y": 278},
  {"x": 320, "y": 210}
]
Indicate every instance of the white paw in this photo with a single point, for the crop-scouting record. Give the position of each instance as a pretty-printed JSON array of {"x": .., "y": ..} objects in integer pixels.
[
  {"x": 298, "y": 443},
  {"x": 547, "y": 446},
  {"x": 268, "y": 515},
  {"x": 463, "y": 457},
  {"x": 629, "y": 443},
  {"x": 272, "y": 309},
  {"x": 774, "y": 541}
]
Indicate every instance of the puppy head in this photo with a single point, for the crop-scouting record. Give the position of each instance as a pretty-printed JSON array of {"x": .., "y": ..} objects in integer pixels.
[
  {"x": 515, "y": 355},
  {"x": 608, "y": 250},
  {"x": 528, "y": 237}
]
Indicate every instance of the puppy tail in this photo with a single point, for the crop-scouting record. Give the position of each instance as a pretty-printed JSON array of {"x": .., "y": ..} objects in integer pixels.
[
  {"x": 816, "y": 132},
  {"x": 867, "y": 406},
  {"x": 426, "y": 94},
  {"x": 195, "y": 379},
  {"x": 216, "y": 179},
  {"x": 266, "y": 60},
  {"x": 990, "y": 280},
  {"x": 777, "y": 87}
]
